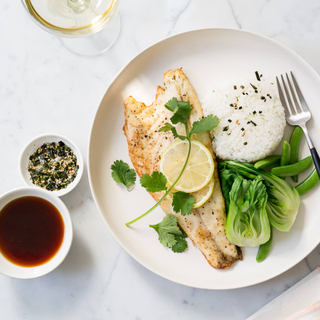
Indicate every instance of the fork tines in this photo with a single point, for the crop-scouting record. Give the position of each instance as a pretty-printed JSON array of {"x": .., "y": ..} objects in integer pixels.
[{"x": 292, "y": 99}]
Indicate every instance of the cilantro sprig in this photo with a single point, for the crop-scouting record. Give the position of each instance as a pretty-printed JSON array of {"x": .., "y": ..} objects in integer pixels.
[
  {"x": 182, "y": 201},
  {"x": 170, "y": 235},
  {"x": 121, "y": 173}
]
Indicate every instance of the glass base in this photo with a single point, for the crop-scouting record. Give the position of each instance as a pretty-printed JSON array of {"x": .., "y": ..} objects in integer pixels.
[{"x": 96, "y": 43}]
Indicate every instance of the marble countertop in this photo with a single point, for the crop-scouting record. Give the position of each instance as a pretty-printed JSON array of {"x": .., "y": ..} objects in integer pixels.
[{"x": 46, "y": 88}]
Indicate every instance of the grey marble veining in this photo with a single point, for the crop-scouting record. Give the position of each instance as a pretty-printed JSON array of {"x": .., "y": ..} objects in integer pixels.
[{"x": 44, "y": 87}]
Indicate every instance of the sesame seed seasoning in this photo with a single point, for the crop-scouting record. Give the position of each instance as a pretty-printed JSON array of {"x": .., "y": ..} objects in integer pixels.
[{"x": 53, "y": 166}]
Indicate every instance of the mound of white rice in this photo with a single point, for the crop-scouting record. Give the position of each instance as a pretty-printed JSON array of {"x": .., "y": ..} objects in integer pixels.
[{"x": 252, "y": 120}]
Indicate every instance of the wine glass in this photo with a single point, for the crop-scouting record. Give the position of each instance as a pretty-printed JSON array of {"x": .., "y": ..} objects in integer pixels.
[{"x": 86, "y": 27}]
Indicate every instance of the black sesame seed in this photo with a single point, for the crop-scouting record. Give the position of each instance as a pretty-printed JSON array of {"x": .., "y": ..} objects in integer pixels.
[
  {"x": 245, "y": 143},
  {"x": 242, "y": 129},
  {"x": 262, "y": 98},
  {"x": 240, "y": 108},
  {"x": 260, "y": 112},
  {"x": 229, "y": 120},
  {"x": 254, "y": 87},
  {"x": 254, "y": 112}
]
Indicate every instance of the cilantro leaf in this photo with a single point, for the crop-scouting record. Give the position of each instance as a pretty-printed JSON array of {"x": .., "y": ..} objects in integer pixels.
[
  {"x": 172, "y": 105},
  {"x": 167, "y": 127},
  {"x": 180, "y": 109},
  {"x": 183, "y": 202},
  {"x": 205, "y": 124},
  {"x": 167, "y": 229},
  {"x": 121, "y": 173},
  {"x": 181, "y": 244},
  {"x": 154, "y": 183}
]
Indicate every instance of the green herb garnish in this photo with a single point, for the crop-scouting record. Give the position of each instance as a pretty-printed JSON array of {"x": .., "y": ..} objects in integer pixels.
[
  {"x": 121, "y": 173},
  {"x": 170, "y": 234},
  {"x": 183, "y": 202}
]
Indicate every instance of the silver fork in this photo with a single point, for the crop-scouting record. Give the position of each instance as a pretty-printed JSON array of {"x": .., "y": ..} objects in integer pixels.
[{"x": 297, "y": 114}]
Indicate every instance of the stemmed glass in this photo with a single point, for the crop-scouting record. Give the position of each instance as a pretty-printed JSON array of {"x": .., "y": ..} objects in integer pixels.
[{"x": 86, "y": 27}]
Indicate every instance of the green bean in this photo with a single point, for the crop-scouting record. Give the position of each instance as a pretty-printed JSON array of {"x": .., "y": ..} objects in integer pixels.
[
  {"x": 285, "y": 156},
  {"x": 264, "y": 249},
  {"x": 294, "y": 141},
  {"x": 309, "y": 183},
  {"x": 293, "y": 169},
  {"x": 266, "y": 162},
  {"x": 286, "y": 153}
]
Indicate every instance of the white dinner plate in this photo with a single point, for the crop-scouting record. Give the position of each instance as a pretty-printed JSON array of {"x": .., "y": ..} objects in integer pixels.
[{"x": 209, "y": 58}]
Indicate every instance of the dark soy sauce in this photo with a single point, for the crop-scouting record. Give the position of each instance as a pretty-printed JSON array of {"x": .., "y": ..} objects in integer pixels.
[{"x": 31, "y": 231}]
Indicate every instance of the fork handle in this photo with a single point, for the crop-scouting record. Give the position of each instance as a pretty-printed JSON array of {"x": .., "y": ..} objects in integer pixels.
[
  {"x": 316, "y": 159},
  {"x": 314, "y": 153}
]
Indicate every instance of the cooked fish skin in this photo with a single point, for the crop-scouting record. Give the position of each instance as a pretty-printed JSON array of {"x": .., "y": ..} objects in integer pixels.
[{"x": 205, "y": 226}]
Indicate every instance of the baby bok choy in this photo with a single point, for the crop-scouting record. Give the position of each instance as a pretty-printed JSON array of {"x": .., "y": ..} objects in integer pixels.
[
  {"x": 283, "y": 200},
  {"x": 247, "y": 221}
]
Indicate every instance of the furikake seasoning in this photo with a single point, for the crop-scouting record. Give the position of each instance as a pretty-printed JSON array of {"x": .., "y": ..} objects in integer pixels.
[{"x": 53, "y": 166}]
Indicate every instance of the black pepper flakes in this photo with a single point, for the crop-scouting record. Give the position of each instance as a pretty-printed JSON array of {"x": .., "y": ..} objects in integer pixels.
[{"x": 226, "y": 128}]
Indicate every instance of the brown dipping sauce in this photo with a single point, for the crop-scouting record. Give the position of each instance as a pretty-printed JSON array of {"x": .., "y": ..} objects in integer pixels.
[{"x": 31, "y": 231}]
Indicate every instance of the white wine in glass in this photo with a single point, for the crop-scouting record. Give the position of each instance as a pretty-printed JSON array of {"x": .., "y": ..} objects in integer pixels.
[{"x": 85, "y": 27}]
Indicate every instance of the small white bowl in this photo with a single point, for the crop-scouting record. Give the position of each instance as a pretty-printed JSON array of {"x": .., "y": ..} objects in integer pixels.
[
  {"x": 9, "y": 269},
  {"x": 33, "y": 145}
]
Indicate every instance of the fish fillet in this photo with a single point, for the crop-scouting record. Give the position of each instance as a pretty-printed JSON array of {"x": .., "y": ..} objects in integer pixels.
[{"x": 206, "y": 225}]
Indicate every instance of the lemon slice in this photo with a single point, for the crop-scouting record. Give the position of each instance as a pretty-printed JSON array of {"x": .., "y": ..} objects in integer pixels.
[
  {"x": 199, "y": 170},
  {"x": 201, "y": 196}
]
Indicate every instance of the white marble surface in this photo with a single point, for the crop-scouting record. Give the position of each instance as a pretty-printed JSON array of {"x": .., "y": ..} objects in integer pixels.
[{"x": 44, "y": 87}]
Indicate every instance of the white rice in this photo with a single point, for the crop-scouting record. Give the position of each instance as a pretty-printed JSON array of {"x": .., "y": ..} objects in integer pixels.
[{"x": 252, "y": 127}]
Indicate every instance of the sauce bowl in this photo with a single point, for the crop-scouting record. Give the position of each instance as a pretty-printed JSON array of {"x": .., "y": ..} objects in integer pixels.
[{"x": 12, "y": 270}]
